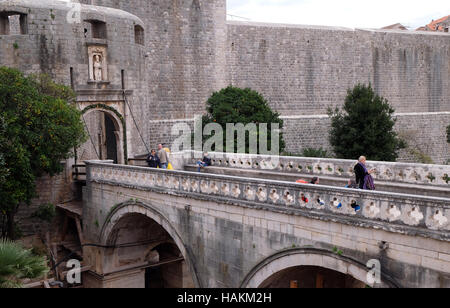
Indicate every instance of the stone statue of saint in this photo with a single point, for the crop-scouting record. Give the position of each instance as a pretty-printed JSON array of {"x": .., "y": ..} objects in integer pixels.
[{"x": 98, "y": 72}]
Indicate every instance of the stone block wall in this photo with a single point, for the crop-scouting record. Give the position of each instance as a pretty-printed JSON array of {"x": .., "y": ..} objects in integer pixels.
[
  {"x": 50, "y": 190},
  {"x": 303, "y": 70},
  {"x": 425, "y": 134},
  {"x": 185, "y": 43}
]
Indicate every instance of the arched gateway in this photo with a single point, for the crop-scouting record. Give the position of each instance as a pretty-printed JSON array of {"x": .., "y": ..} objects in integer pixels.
[
  {"x": 141, "y": 249},
  {"x": 107, "y": 129}
]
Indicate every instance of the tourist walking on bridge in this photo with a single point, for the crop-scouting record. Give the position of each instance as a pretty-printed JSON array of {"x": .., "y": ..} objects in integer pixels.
[
  {"x": 163, "y": 157},
  {"x": 364, "y": 177}
]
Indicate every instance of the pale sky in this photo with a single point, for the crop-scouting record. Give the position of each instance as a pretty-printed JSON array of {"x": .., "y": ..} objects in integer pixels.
[{"x": 344, "y": 13}]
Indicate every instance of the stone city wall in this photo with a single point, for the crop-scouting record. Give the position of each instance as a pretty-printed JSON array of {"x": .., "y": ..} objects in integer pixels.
[
  {"x": 425, "y": 134},
  {"x": 304, "y": 70}
]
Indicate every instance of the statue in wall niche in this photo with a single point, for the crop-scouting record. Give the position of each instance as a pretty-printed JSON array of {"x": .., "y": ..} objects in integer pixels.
[{"x": 98, "y": 68}]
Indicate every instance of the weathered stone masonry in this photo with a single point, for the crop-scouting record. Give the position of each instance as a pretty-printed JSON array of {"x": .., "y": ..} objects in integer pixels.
[
  {"x": 171, "y": 55},
  {"x": 229, "y": 237},
  {"x": 304, "y": 70},
  {"x": 189, "y": 51},
  {"x": 424, "y": 132}
]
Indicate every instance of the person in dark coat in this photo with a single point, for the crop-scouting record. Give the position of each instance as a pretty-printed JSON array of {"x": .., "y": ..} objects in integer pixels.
[
  {"x": 315, "y": 181},
  {"x": 153, "y": 160},
  {"x": 364, "y": 178}
]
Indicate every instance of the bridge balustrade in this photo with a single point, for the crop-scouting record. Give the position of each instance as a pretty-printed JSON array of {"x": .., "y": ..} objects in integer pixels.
[
  {"x": 406, "y": 214},
  {"x": 408, "y": 173}
]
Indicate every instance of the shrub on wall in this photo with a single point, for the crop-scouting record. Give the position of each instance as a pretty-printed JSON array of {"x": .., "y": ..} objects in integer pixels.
[
  {"x": 234, "y": 105},
  {"x": 365, "y": 126},
  {"x": 41, "y": 128},
  {"x": 311, "y": 152},
  {"x": 318, "y": 153}
]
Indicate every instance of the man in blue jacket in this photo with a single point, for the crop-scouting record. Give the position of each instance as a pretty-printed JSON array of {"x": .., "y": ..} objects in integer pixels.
[{"x": 205, "y": 162}]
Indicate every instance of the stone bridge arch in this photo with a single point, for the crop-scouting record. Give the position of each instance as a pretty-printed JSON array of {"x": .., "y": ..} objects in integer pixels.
[
  {"x": 310, "y": 257},
  {"x": 125, "y": 209}
]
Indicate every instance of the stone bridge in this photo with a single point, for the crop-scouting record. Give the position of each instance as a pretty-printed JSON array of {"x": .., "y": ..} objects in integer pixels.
[{"x": 155, "y": 228}]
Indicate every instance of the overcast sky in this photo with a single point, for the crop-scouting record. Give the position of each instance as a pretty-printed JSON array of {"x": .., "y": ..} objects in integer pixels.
[{"x": 345, "y": 13}]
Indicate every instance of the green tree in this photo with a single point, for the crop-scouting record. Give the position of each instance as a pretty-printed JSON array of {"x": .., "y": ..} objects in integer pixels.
[
  {"x": 4, "y": 171},
  {"x": 17, "y": 263},
  {"x": 41, "y": 128},
  {"x": 234, "y": 105},
  {"x": 365, "y": 127},
  {"x": 448, "y": 134}
]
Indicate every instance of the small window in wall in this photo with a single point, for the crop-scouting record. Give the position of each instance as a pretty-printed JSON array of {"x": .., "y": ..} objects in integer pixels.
[
  {"x": 139, "y": 35},
  {"x": 97, "y": 29},
  {"x": 13, "y": 23}
]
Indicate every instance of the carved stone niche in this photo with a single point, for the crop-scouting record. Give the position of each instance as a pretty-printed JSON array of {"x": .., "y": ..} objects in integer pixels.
[{"x": 98, "y": 65}]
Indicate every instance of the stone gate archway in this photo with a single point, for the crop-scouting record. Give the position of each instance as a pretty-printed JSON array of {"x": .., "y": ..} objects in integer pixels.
[
  {"x": 140, "y": 237},
  {"x": 116, "y": 133}
]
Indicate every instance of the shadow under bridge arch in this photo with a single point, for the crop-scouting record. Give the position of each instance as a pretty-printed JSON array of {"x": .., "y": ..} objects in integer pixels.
[{"x": 138, "y": 235}]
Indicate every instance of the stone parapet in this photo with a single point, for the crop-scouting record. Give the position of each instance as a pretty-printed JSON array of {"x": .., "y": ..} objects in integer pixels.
[
  {"x": 420, "y": 174},
  {"x": 399, "y": 213}
]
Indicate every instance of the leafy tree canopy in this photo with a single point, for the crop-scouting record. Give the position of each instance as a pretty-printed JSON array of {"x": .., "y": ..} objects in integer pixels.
[
  {"x": 365, "y": 127},
  {"x": 41, "y": 127},
  {"x": 234, "y": 105}
]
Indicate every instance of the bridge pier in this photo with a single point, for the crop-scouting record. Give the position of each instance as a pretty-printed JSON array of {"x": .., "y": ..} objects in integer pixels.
[
  {"x": 134, "y": 278},
  {"x": 135, "y": 251},
  {"x": 177, "y": 276}
]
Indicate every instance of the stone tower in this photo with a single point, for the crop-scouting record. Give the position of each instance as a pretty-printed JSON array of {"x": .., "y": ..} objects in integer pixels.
[{"x": 186, "y": 41}]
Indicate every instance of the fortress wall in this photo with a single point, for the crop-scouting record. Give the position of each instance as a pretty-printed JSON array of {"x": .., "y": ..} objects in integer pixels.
[
  {"x": 186, "y": 46},
  {"x": 303, "y": 70},
  {"x": 424, "y": 132},
  {"x": 53, "y": 45},
  {"x": 186, "y": 41},
  {"x": 188, "y": 54}
]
